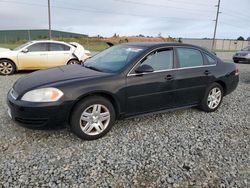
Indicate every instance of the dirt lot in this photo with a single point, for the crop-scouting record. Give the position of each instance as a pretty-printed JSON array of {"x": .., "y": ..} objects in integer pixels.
[{"x": 185, "y": 148}]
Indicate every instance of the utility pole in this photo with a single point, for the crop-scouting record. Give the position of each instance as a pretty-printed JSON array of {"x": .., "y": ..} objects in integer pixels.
[
  {"x": 29, "y": 35},
  {"x": 216, "y": 22},
  {"x": 49, "y": 20}
]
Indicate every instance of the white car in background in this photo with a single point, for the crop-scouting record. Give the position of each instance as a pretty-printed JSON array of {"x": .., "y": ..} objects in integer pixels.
[{"x": 44, "y": 54}]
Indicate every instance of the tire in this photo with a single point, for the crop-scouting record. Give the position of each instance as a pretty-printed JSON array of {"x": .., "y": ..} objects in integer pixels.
[
  {"x": 88, "y": 126},
  {"x": 211, "y": 101},
  {"x": 73, "y": 61},
  {"x": 236, "y": 61},
  {"x": 7, "y": 67}
]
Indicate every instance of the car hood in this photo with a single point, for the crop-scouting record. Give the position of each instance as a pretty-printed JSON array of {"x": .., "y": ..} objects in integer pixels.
[
  {"x": 50, "y": 76},
  {"x": 4, "y": 49},
  {"x": 7, "y": 52},
  {"x": 243, "y": 52}
]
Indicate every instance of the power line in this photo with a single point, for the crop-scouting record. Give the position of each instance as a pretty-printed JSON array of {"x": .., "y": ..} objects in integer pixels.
[
  {"x": 162, "y": 6},
  {"x": 88, "y": 9}
]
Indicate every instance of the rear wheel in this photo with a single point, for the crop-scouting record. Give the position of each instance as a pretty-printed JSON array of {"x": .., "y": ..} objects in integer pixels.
[
  {"x": 7, "y": 67},
  {"x": 73, "y": 61},
  {"x": 213, "y": 98},
  {"x": 92, "y": 118}
]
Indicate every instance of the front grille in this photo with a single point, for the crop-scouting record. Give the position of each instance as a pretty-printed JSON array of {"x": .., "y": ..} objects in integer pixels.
[{"x": 37, "y": 121}]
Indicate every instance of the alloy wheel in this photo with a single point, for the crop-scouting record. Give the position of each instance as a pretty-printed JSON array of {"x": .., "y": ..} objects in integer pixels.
[
  {"x": 6, "y": 67},
  {"x": 94, "y": 119},
  {"x": 72, "y": 62},
  {"x": 214, "y": 98}
]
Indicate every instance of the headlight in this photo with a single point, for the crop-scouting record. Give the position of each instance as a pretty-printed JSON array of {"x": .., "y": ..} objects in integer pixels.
[{"x": 43, "y": 95}]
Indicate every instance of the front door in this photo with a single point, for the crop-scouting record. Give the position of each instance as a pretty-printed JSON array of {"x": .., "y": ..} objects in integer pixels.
[
  {"x": 152, "y": 91},
  {"x": 35, "y": 56}
]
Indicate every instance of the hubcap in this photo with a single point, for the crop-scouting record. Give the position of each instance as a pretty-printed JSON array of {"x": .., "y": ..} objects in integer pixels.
[
  {"x": 214, "y": 98},
  {"x": 94, "y": 119},
  {"x": 6, "y": 67}
]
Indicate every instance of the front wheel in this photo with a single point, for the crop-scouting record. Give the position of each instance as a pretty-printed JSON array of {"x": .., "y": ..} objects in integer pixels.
[
  {"x": 236, "y": 61},
  {"x": 7, "y": 67},
  {"x": 213, "y": 98},
  {"x": 92, "y": 118}
]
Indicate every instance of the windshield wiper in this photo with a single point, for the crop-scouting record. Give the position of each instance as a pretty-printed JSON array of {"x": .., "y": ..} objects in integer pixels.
[{"x": 93, "y": 68}]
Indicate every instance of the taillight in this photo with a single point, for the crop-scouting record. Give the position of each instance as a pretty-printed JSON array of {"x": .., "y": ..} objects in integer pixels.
[
  {"x": 87, "y": 53},
  {"x": 237, "y": 70}
]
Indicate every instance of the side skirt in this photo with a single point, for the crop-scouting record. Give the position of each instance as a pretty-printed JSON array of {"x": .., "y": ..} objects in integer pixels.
[{"x": 158, "y": 112}]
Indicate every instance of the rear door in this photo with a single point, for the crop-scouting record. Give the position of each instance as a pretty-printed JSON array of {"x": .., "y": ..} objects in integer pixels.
[
  {"x": 193, "y": 76},
  {"x": 151, "y": 91},
  {"x": 36, "y": 56},
  {"x": 59, "y": 54}
]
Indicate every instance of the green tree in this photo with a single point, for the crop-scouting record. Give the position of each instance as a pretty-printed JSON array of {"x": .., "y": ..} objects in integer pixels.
[{"x": 240, "y": 38}]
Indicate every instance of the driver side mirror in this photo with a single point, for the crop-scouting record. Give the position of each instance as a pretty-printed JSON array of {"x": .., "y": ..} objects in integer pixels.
[
  {"x": 144, "y": 68},
  {"x": 25, "y": 50}
]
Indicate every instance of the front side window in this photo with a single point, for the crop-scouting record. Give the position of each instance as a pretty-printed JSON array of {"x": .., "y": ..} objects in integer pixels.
[
  {"x": 189, "y": 57},
  {"x": 159, "y": 60},
  {"x": 113, "y": 59},
  {"x": 38, "y": 47},
  {"x": 58, "y": 47},
  {"x": 22, "y": 46}
]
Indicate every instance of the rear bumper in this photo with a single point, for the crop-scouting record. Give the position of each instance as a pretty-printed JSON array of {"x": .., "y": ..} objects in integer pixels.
[
  {"x": 38, "y": 115},
  {"x": 232, "y": 84}
]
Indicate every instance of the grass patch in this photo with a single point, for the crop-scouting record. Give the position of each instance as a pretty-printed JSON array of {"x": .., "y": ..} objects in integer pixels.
[
  {"x": 217, "y": 50},
  {"x": 10, "y": 46},
  {"x": 91, "y": 45}
]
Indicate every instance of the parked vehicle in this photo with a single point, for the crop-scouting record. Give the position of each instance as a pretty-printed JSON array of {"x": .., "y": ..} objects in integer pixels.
[
  {"x": 41, "y": 55},
  {"x": 123, "y": 81},
  {"x": 242, "y": 55}
]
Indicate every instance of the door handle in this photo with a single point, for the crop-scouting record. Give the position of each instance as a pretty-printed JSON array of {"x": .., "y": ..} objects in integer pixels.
[
  {"x": 169, "y": 77},
  {"x": 207, "y": 72}
]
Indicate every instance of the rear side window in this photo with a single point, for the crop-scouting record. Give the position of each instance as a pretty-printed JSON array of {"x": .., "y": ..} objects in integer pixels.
[
  {"x": 38, "y": 47},
  {"x": 189, "y": 57},
  {"x": 159, "y": 60},
  {"x": 211, "y": 61},
  {"x": 58, "y": 47}
]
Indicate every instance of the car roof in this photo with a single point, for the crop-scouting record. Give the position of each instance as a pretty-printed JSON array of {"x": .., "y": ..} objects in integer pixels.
[
  {"x": 155, "y": 44},
  {"x": 162, "y": 44},
  {"x": 52, "y": 41}
]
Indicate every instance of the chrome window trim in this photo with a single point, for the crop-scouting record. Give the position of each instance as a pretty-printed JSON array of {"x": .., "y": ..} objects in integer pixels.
[{"x": 167, "y": 70}]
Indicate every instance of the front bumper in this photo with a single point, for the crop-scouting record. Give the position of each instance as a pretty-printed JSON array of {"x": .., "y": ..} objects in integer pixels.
[{"x": 38, "y": 115}]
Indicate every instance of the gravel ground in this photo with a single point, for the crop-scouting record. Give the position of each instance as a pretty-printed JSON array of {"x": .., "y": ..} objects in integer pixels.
[{"x": 185, "y": 148}]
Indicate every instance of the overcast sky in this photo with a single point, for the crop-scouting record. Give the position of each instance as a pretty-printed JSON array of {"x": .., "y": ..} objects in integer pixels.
[{"x": 175, "y": 18}]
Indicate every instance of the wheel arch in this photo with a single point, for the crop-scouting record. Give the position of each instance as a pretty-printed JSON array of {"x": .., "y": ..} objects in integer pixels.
[
  {"x": 223, "y": 85},
  {"x": 16, "y": 68},
  {"x": 72, "y": 58},
  {"x": 104, "y": 94}
]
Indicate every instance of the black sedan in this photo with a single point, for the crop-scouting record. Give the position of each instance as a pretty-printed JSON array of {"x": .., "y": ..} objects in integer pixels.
[{"x": 123, "y": 81}]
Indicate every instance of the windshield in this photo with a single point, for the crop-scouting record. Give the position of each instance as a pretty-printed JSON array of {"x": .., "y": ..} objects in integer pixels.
[
  {"x": 113, "y": 59},
  {"x": 22, "y": 46}
]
